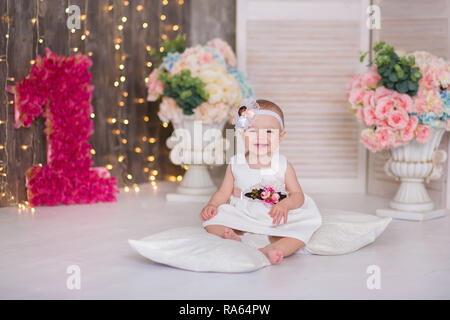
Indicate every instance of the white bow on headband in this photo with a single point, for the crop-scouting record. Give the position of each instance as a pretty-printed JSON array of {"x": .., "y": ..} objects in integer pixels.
[{"x": 247, "y": 113}]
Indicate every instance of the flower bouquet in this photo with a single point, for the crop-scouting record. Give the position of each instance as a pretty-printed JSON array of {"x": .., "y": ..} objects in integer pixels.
[
  {"x": 200, "y": 89},
  {"x": 403, "y": 101},
  {"x": 400, "y": 98},
  {"x": 267, "y": 194},
  {"x": 202, "y": 81}
]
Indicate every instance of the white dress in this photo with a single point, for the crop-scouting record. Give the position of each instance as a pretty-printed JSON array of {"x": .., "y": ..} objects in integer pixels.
[{"x": 252, "y": 215}]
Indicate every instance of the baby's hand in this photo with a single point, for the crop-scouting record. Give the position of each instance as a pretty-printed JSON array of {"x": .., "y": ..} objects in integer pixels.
[
  {"x": 279, "y": 211},
  {"x": 208, "y": 212}
]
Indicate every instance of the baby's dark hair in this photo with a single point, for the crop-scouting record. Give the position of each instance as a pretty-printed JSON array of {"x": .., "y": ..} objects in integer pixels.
[{"x": 269, "y": 105}]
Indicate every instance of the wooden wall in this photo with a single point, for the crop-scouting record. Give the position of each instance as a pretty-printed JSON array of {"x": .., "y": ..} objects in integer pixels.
[{"x": 22, "y": 45}]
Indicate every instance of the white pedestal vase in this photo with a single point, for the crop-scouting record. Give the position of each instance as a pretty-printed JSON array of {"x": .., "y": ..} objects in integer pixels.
[
  {"x": 197, "y": 145},
  {"x": 414, "y": 164}
]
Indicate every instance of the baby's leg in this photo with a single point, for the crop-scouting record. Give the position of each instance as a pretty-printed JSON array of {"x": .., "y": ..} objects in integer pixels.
[
  {"x": 223, "y": 232},
  {"x": 281, "y": 247}
]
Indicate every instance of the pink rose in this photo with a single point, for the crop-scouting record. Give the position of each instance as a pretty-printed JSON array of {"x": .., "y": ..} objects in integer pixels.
[
  {"x": 265, "y": 194},
  {"x": 369, "y": 116},
  {"x": 398, "y": 119},
  {"x": 423, "y": 133},
  {"x": 403, "y": 101},
  {"x": 382, "y": 92},
  {"x": 383, "y": 107},
  {"x": 356, "y": 96},
  {"x": 370, "y": 79},
  {"x": 275, "y": 197},
  {"x": 369, "y": 99},
  {"x": 369, "y": 140},
  {"x": 360, "y": 114},
  {"x": 407, "y": 133},
  {"x": 384, "y": 136},
  {"x": 155, "y": 86}
]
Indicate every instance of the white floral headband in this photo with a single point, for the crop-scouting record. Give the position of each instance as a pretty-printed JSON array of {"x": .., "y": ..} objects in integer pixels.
[{"x": 247, "y": 113}]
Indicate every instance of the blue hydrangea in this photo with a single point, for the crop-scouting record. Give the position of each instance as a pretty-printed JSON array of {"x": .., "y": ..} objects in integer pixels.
[{"x": 170, "y": 60}]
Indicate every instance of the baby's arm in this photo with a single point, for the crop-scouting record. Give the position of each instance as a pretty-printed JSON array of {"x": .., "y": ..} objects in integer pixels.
[
  {"x": 295, "y": 199},
  {"x": 220, "y": 197}
]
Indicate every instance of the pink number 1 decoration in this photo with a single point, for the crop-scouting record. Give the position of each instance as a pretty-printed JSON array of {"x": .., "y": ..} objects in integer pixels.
[{"x": 63, "y": 85}]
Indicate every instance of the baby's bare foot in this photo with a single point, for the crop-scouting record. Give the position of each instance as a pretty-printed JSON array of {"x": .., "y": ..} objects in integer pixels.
[
  {"x": 230, "y": 234},
  {"x": 275, "y": 256}
]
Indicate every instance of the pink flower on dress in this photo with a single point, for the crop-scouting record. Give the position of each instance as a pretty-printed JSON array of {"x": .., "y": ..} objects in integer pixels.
[
  {"x": 423, "y": 133},
  {"x": 275, "y": 197},
  {"x": 265, "y": 195}
]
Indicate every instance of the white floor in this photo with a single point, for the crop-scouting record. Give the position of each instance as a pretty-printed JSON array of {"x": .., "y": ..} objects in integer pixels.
[{"x": 36, "y": 250}]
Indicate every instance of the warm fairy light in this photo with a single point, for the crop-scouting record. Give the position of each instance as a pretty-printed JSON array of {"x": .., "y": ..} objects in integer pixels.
[
  {"x": 140, "y": 100},
  {"x": 83, "y": 37},
  {"x": 148, "y": 48},
  {"x": 117, "y": 46},
  {"x": 121, "y": 67},
  {"x": 151, "y": 158},
  {"x": 155, "y": 172},
  {"x": 149, "y": 64},
  {"x": 146, "y": 119},
  {"x": 123, "y": 58},
  {"x": 122, "y": 78},
  {"x": 180, "y": 2},
  {"x": 124, "y": 19},
  {"x": 186, "y": 167},
  {"x": 165, "y": 124},
  {"x": 73, "y": 30},
  {"x": 165, "y": 2},
  {"x": 33, "y": 20},
  {"x": 146, "y": 79},
  {"x": 139, "y": 7},
  {"x": 2, "y": 147},
  {"x": 175, "y": 27},
  {"x": 93, "y": 151},
  {"x": 127, "y": 189},
  {"x": 110, "y": 7},
  {"x": 137, "y": 189},
  {"x": 112, "y": 120},
  {"x": 137, "y": 150},
  {"x": 116, "y": 83},
  {"x": 41, "y": 40},
  {"x": 124, "y": 141},
  {"x": 121, "y": 158},
  {"x": 126, "y": 121},
  {"x": 121, "y": 104},
  {"x": 125, "y": 94},
  {"x": 152, "y": 140},
  {"x": 126, "y": 3},
  {"x": 152, "y": 178},
  {"x": 75, "y": 49},
  {"x": 179, "y": 178},
  {"x": 172, "y": 178},
  {"x": 116, "y": 132},
  {"x": 144, "y": 138},
  {"x": 24, "y": 147},
  {"x": 164, "y": 36},
  {"x": 90, "y": 53},
  {"x": 32, "y": 62},
  {"x": 129, "y": 176},
  {"x": 163, "y": 17},
  {"x": 145, "y": 25},
  {"x": 92, "y": 115},
  {"x": 120, "y": 27},
  {"x": 83, "y": 17},
  {"x": 109, "y": 166},
  {"x": 161, "y": 49}
]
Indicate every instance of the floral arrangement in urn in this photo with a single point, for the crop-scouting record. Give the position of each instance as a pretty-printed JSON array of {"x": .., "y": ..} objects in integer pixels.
[
  {"x": 400, "y": 97},
  {"x": 202, "y": 81}
]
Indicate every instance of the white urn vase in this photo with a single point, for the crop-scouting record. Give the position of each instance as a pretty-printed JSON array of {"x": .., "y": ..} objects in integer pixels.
[
  {"x": 197, "y": 145},
  {"x": 414, "y": 165}
]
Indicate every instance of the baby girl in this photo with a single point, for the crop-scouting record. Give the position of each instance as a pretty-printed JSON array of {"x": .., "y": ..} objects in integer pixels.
[{"x": 260, "y": 192}]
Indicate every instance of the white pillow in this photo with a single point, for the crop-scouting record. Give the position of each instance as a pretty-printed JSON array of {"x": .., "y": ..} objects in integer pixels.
[
  {"x": 345, "y": 231},
  {"x": 192, "y": 248}
]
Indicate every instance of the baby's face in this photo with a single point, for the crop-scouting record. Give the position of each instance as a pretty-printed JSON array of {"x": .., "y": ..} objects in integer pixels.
[{"x": 264, "y": 135}]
